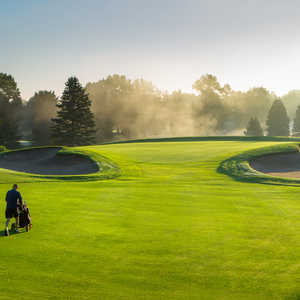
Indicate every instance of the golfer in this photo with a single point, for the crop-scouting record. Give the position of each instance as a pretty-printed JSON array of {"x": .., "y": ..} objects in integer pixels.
[{"x": 12, "y": 198}]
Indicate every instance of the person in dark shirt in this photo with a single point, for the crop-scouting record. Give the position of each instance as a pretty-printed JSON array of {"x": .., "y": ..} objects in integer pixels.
[{"x": 12, "y": 198}]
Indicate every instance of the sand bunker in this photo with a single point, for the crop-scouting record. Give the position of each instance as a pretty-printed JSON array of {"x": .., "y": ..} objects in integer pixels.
[
  {"x": 281, "y": 165},
  {"x": 45, "y": 161}
]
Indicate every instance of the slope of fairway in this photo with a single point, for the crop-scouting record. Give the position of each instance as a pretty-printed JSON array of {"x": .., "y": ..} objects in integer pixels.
[{"x": 170, "y": 227}]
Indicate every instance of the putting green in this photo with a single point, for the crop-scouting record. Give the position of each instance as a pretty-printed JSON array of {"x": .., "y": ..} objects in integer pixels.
[{"x": 167, "y": 225}]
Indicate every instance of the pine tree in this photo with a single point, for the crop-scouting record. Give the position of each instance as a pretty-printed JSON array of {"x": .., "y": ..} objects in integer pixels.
[
  {"x": 296, "y": 127},
  {"x": 254, "y": 128},
  {"x": 278, "y": 120},
  {"x": 74, "y": 124}
]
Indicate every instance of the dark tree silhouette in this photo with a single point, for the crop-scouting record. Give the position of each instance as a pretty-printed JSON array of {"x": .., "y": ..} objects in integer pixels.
[
  {"x": 74, "y": 124},
  {"x": 10, "y": 107},
  {"x": 254, "y": 128},
  {"x": 8, "y": 87},
  {"x": 278, "y": 120}
]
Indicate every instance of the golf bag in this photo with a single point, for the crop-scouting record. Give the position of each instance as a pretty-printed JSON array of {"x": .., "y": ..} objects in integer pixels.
[{"x": 24, "y": 217}]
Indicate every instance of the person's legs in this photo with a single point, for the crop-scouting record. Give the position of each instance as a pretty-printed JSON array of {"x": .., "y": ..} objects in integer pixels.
[
  {"x": 7, "y": 222},
  {"x": 10, "y": 213},
  {"x": 17, "y": 222},
  {"x": 6, "y": 226}
]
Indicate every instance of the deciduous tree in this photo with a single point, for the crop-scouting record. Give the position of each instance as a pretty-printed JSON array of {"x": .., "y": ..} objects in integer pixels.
[
  {"x": 41, "y": 109},
  {"x": 10, "y": 106}
]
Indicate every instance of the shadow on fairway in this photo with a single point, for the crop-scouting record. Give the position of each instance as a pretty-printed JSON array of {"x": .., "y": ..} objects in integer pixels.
[{"x": 2, "y": 233}]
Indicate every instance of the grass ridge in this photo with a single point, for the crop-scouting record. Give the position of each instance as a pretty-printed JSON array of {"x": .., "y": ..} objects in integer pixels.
[
  {"x": 208, "y": 138},
  {"x": 107, "y": 168},
  {"x": 238, "y": 166}
]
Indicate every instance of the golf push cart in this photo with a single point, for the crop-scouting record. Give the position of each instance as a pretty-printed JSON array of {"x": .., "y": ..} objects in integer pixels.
[{"x": 24, "y": 218}]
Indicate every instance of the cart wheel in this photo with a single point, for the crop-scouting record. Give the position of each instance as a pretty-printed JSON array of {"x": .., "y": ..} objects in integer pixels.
[{"x": 27, "y": 228}]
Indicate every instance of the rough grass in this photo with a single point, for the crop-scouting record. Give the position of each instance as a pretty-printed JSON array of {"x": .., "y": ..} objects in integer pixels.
[{"x": 170, "y": 227}]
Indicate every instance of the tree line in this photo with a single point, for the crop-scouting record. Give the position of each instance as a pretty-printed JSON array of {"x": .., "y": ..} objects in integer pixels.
[{"x": 116, "y": 107}]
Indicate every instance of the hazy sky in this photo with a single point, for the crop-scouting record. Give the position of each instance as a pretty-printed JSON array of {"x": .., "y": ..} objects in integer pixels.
[{"x": 244, "y": 43}]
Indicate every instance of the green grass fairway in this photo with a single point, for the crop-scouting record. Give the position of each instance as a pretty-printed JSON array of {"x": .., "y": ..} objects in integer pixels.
[{"x": 170, "y": 227}]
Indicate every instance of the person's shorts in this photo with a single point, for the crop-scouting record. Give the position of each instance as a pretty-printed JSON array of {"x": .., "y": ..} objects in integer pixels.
[{"x": 11, "y": 213}]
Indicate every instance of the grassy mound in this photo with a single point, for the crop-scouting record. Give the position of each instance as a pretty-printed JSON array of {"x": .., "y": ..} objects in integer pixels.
[
  {"x": 48, "y": 161},
  {"x": 170, "y": 227},
  {"x": 238, "y": 166},
  {"x": 27, "y": 163}
]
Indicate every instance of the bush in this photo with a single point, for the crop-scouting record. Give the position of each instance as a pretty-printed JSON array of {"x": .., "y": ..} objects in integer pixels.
[{"x": 3, "y": 148}]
